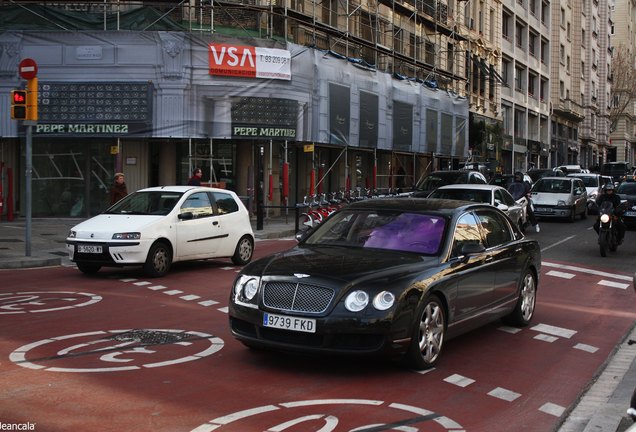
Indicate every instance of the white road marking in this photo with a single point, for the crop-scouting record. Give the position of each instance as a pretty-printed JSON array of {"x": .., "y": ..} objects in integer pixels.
[
  {"x": 224, "y": 309},
  {"x": 557, "y": 243},
  {"x": 508, "y": 329},
  {"x": 19, "y": 355},
  {"x": 190, "y": 297},
  {"x": 218, "y": 422},
  {"x": 560, "y": 274},
  {"x": 613, "y": 284},
  {"x": 156, "y": 287},
  {"x": 458, "y": 380},
  {"x": 142, "y": 283},
  {"x": 553, "y": 330},
  {"x": 173, "y": 292},
  {"x": 552, "y": 409},
  {"x": 546, "y": 338},
  {"x": 504, "y": 394},
  {"x": 208, "y": 302},
  {"x": 586, "y": 270},
  {"x": 587, "y": 348},
  {"x": 228, "y": 268},
  {"x": 127, "y": 280}
]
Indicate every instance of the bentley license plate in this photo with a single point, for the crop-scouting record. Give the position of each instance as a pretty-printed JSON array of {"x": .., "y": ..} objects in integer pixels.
[
  {"x": 630, "y": 213},
  {"x": 91, "y": 249},
  {"x": 307, "y": 325}
]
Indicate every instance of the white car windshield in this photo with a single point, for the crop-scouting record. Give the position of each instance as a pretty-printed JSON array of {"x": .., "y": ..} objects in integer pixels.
[
  {"x": 157, "y": 203},
  {"x": 394, "y": 230}
]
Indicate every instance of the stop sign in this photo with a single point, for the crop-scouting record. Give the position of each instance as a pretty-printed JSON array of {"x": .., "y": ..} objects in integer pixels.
[{"x": 28, "y": 69}]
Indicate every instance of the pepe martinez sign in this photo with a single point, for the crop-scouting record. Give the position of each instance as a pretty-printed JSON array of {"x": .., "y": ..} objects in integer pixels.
[{"x": 103, "y": 129}]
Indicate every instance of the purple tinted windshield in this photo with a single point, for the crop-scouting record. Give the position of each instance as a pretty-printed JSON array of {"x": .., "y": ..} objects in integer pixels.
[{"x": 409, "y": 232}]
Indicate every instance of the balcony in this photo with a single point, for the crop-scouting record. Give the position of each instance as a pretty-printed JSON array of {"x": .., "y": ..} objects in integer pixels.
[{"x": 569, "y": 110}]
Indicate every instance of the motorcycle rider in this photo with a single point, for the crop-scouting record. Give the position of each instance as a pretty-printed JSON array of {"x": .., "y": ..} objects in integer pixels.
[
  {"x": 610, "y": 195},
  {"x": 520, "y": 188}
]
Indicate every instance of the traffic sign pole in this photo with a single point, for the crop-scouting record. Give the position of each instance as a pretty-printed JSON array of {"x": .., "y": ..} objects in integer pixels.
[{"x": 28, "y": 70}]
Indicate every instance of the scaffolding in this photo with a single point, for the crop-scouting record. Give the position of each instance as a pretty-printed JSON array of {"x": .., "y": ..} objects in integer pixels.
[{"x": 411, "y": 39}]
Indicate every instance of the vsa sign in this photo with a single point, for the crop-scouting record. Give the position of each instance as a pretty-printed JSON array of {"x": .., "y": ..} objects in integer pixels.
[{"x": 249, "y": 62}]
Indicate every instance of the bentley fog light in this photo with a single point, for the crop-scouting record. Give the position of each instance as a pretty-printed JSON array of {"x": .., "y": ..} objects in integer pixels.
[
  {"x": 356, "y": 301},
  {"x": 383, "y": 300}
]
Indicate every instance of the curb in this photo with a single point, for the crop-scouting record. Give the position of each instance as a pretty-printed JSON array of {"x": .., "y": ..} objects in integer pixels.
[{"x": 28, "y": 262}]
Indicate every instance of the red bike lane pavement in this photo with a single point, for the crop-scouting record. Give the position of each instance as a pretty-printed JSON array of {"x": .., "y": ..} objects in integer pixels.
[{"x": 120, "y": 352}]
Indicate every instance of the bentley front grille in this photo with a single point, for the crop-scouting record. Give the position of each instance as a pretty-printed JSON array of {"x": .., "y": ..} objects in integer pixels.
[{"x": 297, "y": 297}]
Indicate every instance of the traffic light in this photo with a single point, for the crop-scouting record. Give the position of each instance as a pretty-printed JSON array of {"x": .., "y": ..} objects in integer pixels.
[
  {"x": 32, "y": 99},
  {"x": 19, "y": 104},
  {"x": 24, "y": 103}
]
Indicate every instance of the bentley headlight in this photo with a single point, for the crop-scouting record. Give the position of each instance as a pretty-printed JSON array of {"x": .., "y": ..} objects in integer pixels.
[
  {"x": 605, "y": 218},
  {"x": 127, "y": 236},
  {"x": 245, "y": 289},
  {"x": 383, "y": 300},
  {"x": 72, "y": 234},
  {"x": 356, "y": 301}
]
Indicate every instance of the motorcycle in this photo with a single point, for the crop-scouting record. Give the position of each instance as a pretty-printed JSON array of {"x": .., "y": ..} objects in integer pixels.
[{"x": 607, "y": 231}]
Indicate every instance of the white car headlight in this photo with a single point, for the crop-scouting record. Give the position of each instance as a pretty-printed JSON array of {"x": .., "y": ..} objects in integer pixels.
[
  {"x": 72, "y": 234},
  {"x": 383, "y": 300},
  {"x": 245, "y": 289},
  {"x": 561, "y": 203},
  {"x": 605, "y": 218},
  {"x": 127, "y": 236},
  {"x": 356, "y": 301}
]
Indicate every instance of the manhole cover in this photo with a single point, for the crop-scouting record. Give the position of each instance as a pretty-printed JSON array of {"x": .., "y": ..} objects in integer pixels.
[{"x": 150, "y": 337}]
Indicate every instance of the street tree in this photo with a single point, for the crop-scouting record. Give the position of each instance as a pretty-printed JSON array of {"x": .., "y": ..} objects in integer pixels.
[{"x": 623, "y": 89}]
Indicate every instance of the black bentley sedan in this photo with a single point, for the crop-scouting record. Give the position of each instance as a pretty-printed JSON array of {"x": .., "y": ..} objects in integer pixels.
[{"x": 389, "y": 276}]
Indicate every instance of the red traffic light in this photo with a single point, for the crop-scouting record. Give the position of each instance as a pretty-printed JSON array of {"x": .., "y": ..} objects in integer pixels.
[{"x": 19, "y": 97}]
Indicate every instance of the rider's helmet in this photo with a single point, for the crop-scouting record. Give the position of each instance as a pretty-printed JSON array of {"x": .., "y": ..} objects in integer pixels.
[
  {"x": 609, "y": 187},
  {"x": 518, "y": 176}
]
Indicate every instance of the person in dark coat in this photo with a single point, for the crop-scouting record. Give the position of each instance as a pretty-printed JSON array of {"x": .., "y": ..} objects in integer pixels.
[
  {"x": 195, "y": 180},
  {"x": 118, "y": 190}
]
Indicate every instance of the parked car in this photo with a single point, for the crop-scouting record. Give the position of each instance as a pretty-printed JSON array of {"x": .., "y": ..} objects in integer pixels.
[
  {"x": 594, "y": 186},
  {"x": 397, "y": 277},
  {"x": 627, "y": 192},
  {"x": 536, "y": 174},
  {"x": 488, "y": 194},
  {"x": 155, "y": 227},
  {"x": 559, "y": 197},
  {"x": 442, "y": 178}
]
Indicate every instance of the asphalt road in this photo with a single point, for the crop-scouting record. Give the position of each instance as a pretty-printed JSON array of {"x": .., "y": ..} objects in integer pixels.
[{"x": 120, "y": 352}]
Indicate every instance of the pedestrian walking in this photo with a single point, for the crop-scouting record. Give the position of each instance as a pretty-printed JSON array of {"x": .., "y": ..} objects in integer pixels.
[
  {"x": 195, "y": 180},
  {"x": 118, "y": 190}
]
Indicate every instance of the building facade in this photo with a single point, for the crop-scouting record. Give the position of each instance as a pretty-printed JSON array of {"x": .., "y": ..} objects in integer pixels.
[{"x": 154, "y": 104}]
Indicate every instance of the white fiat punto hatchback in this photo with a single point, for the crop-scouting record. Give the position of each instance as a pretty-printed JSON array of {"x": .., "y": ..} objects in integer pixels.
[{"x": 157, "y": 226}]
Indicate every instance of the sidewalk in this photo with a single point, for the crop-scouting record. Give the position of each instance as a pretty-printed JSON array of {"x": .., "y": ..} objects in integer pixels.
[{"x": 600, "y": 409}]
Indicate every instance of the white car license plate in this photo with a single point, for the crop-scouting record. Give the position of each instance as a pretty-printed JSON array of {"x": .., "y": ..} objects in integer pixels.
[
  {"x": 629, "y": 214},
  {"x": 543, "y": 210},
  {"x": 91, "y": 249},
  {"x": 307, "y": 325}
]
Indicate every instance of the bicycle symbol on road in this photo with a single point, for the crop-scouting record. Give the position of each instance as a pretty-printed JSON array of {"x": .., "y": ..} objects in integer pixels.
[
  {"x": 329, "y": 415},
  {"x": 116, "y": 350},
  {"x": 44, "y": 301}
]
